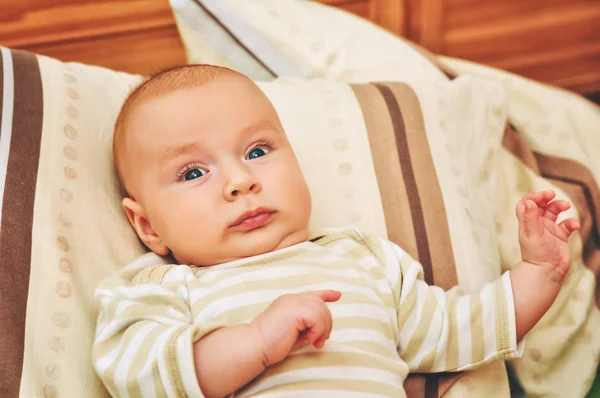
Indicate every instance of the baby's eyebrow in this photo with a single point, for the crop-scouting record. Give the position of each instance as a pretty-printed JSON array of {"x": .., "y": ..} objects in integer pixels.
[
  {"x": 262, "y": 124},
  {"x": 174, "y": 152}
]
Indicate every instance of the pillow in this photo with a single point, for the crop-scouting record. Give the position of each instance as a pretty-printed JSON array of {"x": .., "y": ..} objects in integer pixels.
[
  {"x": 552, "y": 123},
  {"x": 386, "y": 157},
  {"x": 554, "y": 146},
  {"x": 267, "y": 39}
]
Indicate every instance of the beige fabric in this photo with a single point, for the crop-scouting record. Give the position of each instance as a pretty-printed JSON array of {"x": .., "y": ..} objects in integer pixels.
[
  {"x": 565, "y": 345},
  {"x": 322, "y": 41},
  {"x": 372, "y": 347},
  {"x": 80, "y": 234},
  {"x": 553, "y": 121}
]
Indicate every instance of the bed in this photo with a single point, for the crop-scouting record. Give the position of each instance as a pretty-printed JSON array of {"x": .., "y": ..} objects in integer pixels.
[{"x": 519, "y": 116}]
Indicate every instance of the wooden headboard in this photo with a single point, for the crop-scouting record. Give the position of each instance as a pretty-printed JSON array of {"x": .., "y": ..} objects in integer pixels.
[
  {"x": 136, "y": 36},
  {"x": 557, "y": 42}
]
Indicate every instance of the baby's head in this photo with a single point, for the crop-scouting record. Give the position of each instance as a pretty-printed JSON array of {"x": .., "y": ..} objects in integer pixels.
[{"x": 208, "y": 171}]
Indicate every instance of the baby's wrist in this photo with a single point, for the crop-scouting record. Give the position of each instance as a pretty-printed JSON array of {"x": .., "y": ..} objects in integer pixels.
[
  {"x": 546, "y": 271},
  {"x": 258, "y": 341}
]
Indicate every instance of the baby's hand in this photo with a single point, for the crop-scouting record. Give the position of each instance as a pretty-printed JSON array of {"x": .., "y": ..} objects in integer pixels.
[
  {"x": 542, "y": 241},
  {"x": 293, "y": 319}
]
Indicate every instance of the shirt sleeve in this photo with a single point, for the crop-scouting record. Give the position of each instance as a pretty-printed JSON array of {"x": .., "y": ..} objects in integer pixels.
[
  {"x": 440, "y": 331},
  {"x": 145, "y": 333}
]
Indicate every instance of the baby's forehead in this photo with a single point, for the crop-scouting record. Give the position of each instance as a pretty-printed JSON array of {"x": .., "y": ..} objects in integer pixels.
[{"x": 178, "y": 109}]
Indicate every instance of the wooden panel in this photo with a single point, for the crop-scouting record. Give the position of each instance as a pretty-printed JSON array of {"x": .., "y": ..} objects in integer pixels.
[
  {"x": 392, "y": 15},
  {"x": 426, "y": 21},
  {"x": 141, "y": 52},
  {"x": 360, "y": 8},
  {"x": 136, "y": 36},
  {"x": 555, "y": 41},
  {"x": 44, "y": 21}
]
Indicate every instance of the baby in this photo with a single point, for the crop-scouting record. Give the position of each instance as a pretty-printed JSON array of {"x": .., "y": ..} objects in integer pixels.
[{"x": 239, "y": 297}]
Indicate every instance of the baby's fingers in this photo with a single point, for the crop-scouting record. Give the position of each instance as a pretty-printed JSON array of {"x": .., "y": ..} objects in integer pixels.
[
  {"x": 570, "y": 225},
  {"x": 530, "y": 223},
  {"x": 555, "y": 208},
  {"x": 541, "y": 198},
  {"x": 327, "y": 296}
]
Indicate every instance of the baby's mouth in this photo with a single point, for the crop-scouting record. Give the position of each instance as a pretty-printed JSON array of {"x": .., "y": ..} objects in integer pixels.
[{"x": 253, "y": 219}]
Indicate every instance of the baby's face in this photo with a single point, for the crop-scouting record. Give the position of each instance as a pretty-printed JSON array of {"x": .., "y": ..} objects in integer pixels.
[{"x": 214, "y": 175}]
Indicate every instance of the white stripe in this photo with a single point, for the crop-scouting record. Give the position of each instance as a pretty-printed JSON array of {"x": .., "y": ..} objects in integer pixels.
[
  {"x": 439, "y": 364},
  {"x": 285, "y": 271},
  {"x": 488, "y": 314},
  {"x": 220, "y": 306},
  {"x": 463, "y": 323},
  {"x": 118, "y": 324},
  {"x": 411, "y": 324},
  {"x": 393, "y": 360},
  {"x": 409, "y": 279},
  {"x": 371, "y": 311},
  {"x": 510, "y": 304},
  {"x": 368, "y": 262},
  {"x": 343, "y": 247},
  {"x": 176, "y": 274},
  {"x": 103, "y": 363},
  {"x": 433, "y": 337},
  {"x": 142, "y": 291},
  {"x": 393, "y": 254},
  {"x": 124, "y": 364},
  {"x": 164, "y": 368},
  {"x": 121, "y": 306},
  {"x": 185, "y": 361},
  {"x": 145, "y": 378},
  {"x": 6, "y": 122},
  {"x": 370, "y": 336},
  {"x": 328, "y": 372}
]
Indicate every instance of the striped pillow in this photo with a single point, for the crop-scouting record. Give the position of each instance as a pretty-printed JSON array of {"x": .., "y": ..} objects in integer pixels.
[
  {"x": 387, "y": 157},
  {"x": 552, "y": 144}
]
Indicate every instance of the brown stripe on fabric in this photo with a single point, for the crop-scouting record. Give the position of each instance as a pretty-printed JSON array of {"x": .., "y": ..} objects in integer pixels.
[
  {"x": 516, "y": 145},
  {"x": 424, "y": 193},
  {"x": 575, "y": 173},
  {"x": 382, "y": 140},
  {"x": 235, "y": 38},
  {"x": 410, "y": 182},
  {"x": 394, "y": 198},
  {"x": 591, "y": 253},
  {"x": 410, "y": 193},
  {"x": 17, "y": 217},
  {"x": 426, "y": 201},
  {"x": 578, "y": 182}
]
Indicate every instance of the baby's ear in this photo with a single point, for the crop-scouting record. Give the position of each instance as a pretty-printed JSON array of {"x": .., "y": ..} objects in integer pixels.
[{"x": 139, "y": 221}]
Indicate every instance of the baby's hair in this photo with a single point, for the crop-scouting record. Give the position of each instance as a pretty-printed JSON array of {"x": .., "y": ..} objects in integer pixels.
[{"x": 163, "y": 82}]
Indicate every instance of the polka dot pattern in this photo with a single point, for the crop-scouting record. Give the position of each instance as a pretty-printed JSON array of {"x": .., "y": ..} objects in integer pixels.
[
  {"x": 345, "y": 169},
  {"x": 535, "y": 354},
  {"x": 61, "y": 320}
]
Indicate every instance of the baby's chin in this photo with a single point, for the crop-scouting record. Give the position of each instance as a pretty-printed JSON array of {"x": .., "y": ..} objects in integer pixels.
[{"x": 248, "y": 246}]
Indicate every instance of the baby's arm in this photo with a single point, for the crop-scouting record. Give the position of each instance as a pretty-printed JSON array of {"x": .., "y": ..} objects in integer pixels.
[
  {"x": 229, "y": 358},
  {"x": 537, "y": 279},
  {"x": 448, "y": 331},
  {"x": 147, "y": 343}
]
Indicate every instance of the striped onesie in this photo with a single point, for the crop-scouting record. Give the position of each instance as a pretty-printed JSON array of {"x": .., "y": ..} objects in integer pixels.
[{"x": 388, "y": 321}]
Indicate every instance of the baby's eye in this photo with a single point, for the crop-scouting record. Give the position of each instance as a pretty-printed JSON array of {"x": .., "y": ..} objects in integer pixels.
[
  {"x": 256, "y": 153},
  {"x": 193, "y": 173}
]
